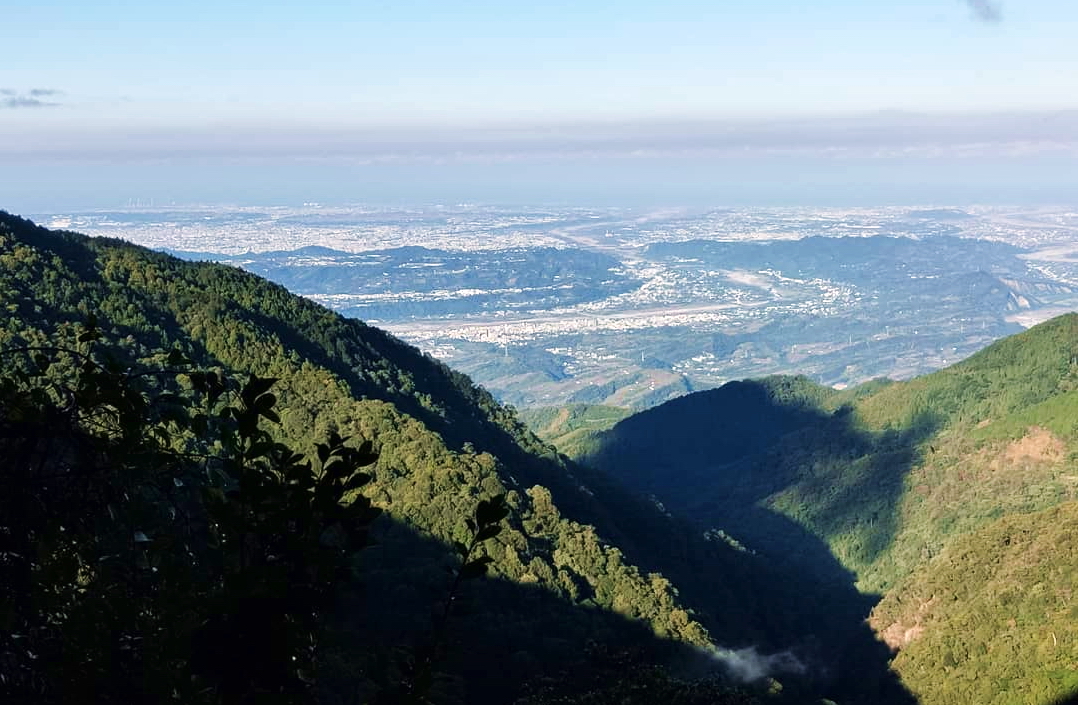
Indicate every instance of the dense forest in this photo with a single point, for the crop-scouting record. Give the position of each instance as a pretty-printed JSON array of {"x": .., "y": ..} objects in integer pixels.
[
  {"x": 216, "y": 491},
  {"x": 949, "y": 496}
]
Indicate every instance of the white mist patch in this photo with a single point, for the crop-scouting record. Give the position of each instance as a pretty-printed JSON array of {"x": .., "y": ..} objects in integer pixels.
[{"x": 748, "y": 665}]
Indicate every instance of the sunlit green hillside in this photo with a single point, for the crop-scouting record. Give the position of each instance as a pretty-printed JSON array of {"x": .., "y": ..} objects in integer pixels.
[
  {"x": 891, "y": 477},
  {"x": 992, "y": 618}
]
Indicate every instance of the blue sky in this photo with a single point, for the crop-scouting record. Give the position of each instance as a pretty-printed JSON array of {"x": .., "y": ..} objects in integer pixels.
[
  {"x": 436, "y": 62},
  {"x": 419, "y": 78}
]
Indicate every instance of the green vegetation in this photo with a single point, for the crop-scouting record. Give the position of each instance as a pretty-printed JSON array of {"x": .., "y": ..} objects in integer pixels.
[
  {"x": 1014, "y": 374},
  {"x": 568, "y": 566},
  {"x": 197, "y": 420},
  {"x": 158, "y": 543},
  {"x": 882, "y": 472},
  {"x": 569, "y": 428},
  {"x": 992, "y": 618},
  {"x": 882, "y": 485}
]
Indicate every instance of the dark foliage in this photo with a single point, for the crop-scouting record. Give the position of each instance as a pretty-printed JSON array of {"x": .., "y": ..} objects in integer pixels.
[{"x": 250, "y": 554}]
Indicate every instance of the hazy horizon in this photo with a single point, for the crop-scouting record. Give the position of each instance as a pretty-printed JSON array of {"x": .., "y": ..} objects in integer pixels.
[{"x": 628, "y": 103}]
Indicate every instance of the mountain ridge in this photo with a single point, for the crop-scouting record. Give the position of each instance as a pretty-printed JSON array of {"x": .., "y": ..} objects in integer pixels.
[
  {"x": 443, "y": 444},
  {"x": 892, "y": 477}
]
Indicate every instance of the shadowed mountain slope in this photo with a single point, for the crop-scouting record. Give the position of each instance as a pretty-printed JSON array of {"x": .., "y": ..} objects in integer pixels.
[
  {"x": 882, "y": 485},
  {"x": 574, "y": 536}
]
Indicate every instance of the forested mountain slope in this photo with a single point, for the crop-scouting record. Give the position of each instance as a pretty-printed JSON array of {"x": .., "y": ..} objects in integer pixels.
[
  {"x": 893, "y": 478},
  {"x": 576, "y": 568},
  {"x": 992, "y": 618}
]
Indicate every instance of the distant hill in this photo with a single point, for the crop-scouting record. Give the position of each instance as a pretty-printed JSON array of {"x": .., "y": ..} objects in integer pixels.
[
  {"x": 307, "y": 251},
  {"x": 860, "y": 260},
  {"x": 407, "y": 282}
]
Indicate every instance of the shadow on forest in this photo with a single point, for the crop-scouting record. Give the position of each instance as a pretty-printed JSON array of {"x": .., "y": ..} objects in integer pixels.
[
  {"x": 504, "y": 639},
  {"x": 715, "y": 456},
  {"x": 743, "y": 599}
]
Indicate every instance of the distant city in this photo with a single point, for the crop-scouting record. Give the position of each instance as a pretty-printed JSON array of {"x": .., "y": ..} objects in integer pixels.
[{"x": 631, "y": 307}]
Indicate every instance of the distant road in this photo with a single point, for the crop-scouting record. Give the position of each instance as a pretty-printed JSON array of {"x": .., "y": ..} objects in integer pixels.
[
  {"x": 436, "y": 326},
  {"x": 584, "y": 235},
  {"x": 1027, "y": 220}
]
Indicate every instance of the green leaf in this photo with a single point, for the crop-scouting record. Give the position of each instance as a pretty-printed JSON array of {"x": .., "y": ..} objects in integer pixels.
[
  {"x": 488, "y": 532},
  {"x": 357, "y": 480},
  {"x": 256, "y": 386},
  {"x": 491, "y": 511},
  {"x": 215, "y": 386},
  {"x": 261, "y": 449},
  {"x": 365, "y": 454},
  {"x": 475, "y": 568},
  {"x": 337, "y": 469}
]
